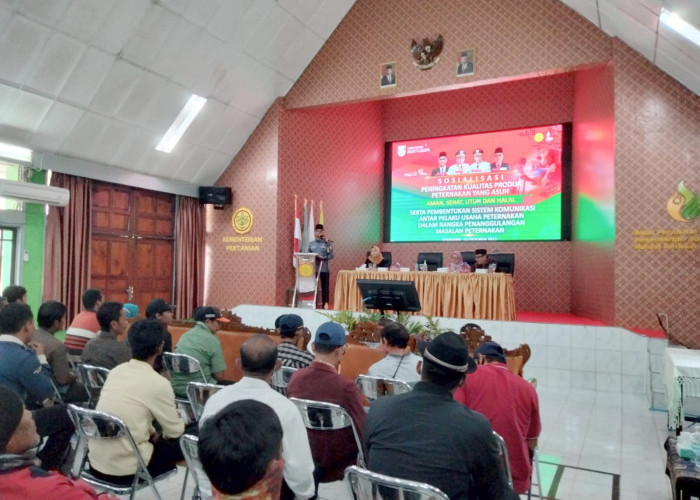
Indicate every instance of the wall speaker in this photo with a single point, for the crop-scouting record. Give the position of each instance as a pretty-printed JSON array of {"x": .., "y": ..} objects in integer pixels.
[{"x": 215, "y": 195}]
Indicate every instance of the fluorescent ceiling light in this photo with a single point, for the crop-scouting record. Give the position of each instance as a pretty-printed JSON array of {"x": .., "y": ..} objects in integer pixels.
[
  {"x": 183, "y": 120},
  {"x": 674, "y": 21},
  {"x": 8, "y": 151}
]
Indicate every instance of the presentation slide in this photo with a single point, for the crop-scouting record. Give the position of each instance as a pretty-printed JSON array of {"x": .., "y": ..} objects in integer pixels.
[{"x": 494, "y": 186}]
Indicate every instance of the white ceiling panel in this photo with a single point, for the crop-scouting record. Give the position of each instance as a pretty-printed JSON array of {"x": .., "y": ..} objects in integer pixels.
[
  {"x": 28, "y": 111},
  {"x": 142, "y": 96},
  {"x": 115, "y": 136},
  {"x": 291, "y": 30},
  {"x": 80, "y": 143},
  {"x": 206, "y": 127},
  {"x": 226, "y": 18},
  {"x": 165, "y": 108},
  {"x": 56, "y": 126},
  {"x": 120, "y": 24},
  {"x": 116, "y": 87},
  {"x": 634, "y": 9},
  {"x": 199, "y": 13},
  {"x": 192, "y": 166},
  {"x": 8, "y": 96},
  {"x": 153, "y": 32},
  {"x": 45, "y": 12},
  {"x": 681, "y": 44},
  {"x": 676, "y": 63},
  {"x": 639, "y": 36},
  {"x": 240, "y": 127},
  {"x": 586, "y": 8},
  {"x": 302, "y": 49},
  {"x": 84, "y": 18},
  {"x": 55, "y": 64},
  {"x": 21, "y": 44},
  {"x": 5, "y": 17},
  {"x": 131, "y": 151},
  {"x": 301, "y": 9},
  {"x": 266, "y": 29},
  {"x": 328, "y": 17},
  {"x": 87, "y": 77}
]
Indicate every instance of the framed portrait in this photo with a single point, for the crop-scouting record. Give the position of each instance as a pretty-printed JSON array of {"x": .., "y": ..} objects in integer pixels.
[
  {"x": 465, "y": 62},
  {"x": 388, "y": 75}
]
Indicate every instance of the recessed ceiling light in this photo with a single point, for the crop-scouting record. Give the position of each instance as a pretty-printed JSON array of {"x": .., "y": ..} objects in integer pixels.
[
  {"x": 183, "y": 120},
  {"x": 674, "y": 21},
  {"x": 11, "y": 152}
]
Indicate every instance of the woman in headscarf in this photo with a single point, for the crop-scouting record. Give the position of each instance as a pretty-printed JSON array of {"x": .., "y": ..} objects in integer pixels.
[{"x": 375, "y": 258}]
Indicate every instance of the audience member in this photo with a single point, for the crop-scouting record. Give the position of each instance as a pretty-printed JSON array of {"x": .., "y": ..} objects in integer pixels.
[
  {"x": 3, "y": 302},
  {"x": 240, "y": 450},
  {"x": 483, "y": 261},
  {"x": 376, "y": 258},
  {"x": 201, "y": 343},
  {"x": 292, "y": 330},
  {"x": 258, "y": 362},
  {"x": 320, "y": 381},
  {"x": 510, "y": 403},
  {"x": 52, "y": 318},
  {"x": 398, "y": 363},
  {"x": 427, "y": 436},
  {"x": 109, "y": 348},
  {"x": 24, "y": 369},
  {"x": 21, "y": 476},
  {"x": 85, "y": 325},
  {"x": 162, "y": 311},
  {"x": 138, "y": 395},
  {"x": 15, "y": 294}
]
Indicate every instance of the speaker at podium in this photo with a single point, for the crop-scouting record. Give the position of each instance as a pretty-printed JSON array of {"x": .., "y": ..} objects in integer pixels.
[{"x": 306, "y": 286}]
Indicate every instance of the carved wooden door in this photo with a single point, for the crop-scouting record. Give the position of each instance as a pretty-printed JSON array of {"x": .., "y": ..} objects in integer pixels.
[{"x": 132, "y": 244}]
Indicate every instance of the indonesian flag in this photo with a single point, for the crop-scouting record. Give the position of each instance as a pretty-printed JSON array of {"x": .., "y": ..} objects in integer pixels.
[{"x": 297, "y": 231}]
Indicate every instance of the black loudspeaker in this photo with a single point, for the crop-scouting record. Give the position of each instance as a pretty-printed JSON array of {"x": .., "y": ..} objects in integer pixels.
[{"x": 215, "y": 195}]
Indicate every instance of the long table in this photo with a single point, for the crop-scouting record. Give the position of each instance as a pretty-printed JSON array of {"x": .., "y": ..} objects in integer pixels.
[
  {"x": 455, "y": 295},
  {"x": 682, "y": 379}
]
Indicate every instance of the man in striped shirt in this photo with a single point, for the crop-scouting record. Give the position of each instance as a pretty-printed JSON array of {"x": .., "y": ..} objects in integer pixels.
[
  {"x": 291, "y": 330},
  {"x": 85, "y": 325}
]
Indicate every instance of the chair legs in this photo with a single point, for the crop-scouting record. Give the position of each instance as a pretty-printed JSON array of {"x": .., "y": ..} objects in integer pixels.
[
  {"x": 184, "y": 483},
  {"x": 536, "y": 470}
]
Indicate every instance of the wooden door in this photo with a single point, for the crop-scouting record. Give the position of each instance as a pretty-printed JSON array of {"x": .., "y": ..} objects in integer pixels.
[{"x": 132, "y": 244}]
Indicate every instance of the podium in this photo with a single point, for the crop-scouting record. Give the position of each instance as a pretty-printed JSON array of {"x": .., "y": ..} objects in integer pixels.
[{"x": 306, "y": 286}]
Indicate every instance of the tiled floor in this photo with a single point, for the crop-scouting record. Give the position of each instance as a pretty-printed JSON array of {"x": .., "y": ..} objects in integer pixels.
[{"x": 594, "y": 445}]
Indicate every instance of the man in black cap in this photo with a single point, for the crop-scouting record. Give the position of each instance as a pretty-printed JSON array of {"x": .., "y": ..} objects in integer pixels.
[
  {"x": 162, "y": 311},
  {"x": 21, "y": 476},
  {"x": 511, "y": 405},
  {"x": 323, "y": 249},
  {"x": 479, "y": 164},
  {"x": 498, "y": 164},
  {"x": 442, "y": 165},
  {"x": 291, "y": 330},
  {"x": 427, "y": 436},
  {"x": 483, "y": 261},
  {"x": 459, "y": 167}
]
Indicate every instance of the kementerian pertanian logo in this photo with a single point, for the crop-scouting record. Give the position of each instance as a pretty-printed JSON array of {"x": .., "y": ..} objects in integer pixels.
[
  {"x": 684, "y": 205},
  {"x": 242, "y": 220}
]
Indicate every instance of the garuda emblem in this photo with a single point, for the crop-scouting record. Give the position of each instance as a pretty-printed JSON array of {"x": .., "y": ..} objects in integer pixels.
[{"x": 427, "y": 53}]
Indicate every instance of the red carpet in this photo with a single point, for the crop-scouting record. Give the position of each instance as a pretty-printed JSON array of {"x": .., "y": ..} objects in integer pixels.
[{"x": 572, "y": 319}]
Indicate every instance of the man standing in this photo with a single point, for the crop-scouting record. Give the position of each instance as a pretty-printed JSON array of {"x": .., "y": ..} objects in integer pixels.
[
  {"x": 482, "y": 260},
  {"x": 110, "y": 347},
  {"x": 442, "y": 165},
  {"x": 85, "y": 325},
  {"x": 333, "y": 451},
  {"x": 324, "y": 252},
  {"x": 162, "y": 311},
  {"x": 291, "y": 330},
  {"x": 510, "y": 403},
  {"x": 258, "y": 362},
  {"x": 459, "y": 167},
  {"x": 135, "y": 393},
  {"x": 498, "y": 165},
  {"x": 388, "y": 79},
  {"x": 397, "y": 363},
  {"x": 201, "y": 343},
  {"x": 427, "y": 436},
  {"x": 479, "y": 165}
]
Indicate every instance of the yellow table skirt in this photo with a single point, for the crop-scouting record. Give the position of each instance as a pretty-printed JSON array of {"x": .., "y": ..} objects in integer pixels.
[{"x": 454, "y": 295}]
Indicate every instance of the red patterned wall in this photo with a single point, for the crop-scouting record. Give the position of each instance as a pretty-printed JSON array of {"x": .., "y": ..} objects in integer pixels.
[{"x": 657, "y": 128}]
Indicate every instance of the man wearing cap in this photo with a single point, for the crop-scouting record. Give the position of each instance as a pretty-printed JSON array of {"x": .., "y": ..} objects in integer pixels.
[
  {"x": 21, "y": 475},
  {"x": 511, "y": 405},
  {"x": 201, "y": 343},
  {"x": 427, "y": 436},
  {"x": 110, "y": 348},
  {"x": 332, "y": 451},
  {"x": 258, "y": 361},
  {"x": 498, "y": 165},
  {"x": 323, "y": 249},
  {"x": 162, "y": 311},
  {"x": 442, "y": 165},
  {"x": 482, "y": 260},
  {"x": 291, "y": 330},
  {"x": 479, "y": 165},
  {"x": 398, "y": 363},
  {"x": 459, "y": 167}
]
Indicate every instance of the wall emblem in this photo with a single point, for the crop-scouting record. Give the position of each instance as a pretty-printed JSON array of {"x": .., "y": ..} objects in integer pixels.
[
  {"x": 426, "y": 54},
  {"x": 242, "y": 220},
  {"x": 684, "y": 205}
]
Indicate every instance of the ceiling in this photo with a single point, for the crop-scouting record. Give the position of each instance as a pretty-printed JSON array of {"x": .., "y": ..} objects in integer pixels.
[{"x": 101, "y": 81}]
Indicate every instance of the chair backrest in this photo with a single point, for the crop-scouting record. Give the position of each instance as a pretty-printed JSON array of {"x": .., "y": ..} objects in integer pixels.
[
  {"x": 198, "y": 393},
  {"x": 280, "y": 379},
  {"x": 516, "y": 358},
  {"x": 323, "y": 416},
  {"x": 474, "y": 337},
  {"x": 176, "y": 362},
  {"x": 503, "y": 452},
  {"x": 376, "y": 387},
  {"x": 505, "y": 261},
  {"x": 469, "y": 257},
  {"x": 93, "y": 378},
  {"x": 433, "y": 259},
  {"x": 188, "y": 445},
  {"x": 364, "y": 484}
]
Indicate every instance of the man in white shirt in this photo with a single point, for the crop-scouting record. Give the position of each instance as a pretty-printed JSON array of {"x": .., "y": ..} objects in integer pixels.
[
  {"x": 258, "y": 362},
  {"x": 398, "y": 363}
]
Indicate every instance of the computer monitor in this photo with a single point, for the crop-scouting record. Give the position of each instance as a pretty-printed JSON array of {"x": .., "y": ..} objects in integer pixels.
[{"x": 393, "y": 295}]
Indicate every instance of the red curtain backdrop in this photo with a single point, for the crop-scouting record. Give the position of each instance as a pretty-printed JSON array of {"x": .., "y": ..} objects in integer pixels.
[
  {"x": 189, "y": 256},
  {"x": 67, "y": 244}
]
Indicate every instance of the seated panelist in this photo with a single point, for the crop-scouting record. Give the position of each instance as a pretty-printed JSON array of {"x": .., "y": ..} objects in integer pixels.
[{"x": 375, "y": 258}]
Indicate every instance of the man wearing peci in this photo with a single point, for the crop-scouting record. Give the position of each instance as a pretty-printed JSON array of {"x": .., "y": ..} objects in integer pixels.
[
  {"x": 465, "y": 66},
  {"x": 323, "y": 249},
  {"x": 479, "y": 165},
  {"x": 442, "y": 165},
  {"x": 389, "y": 78},
  {"x": 498, "y": 164},
  {"x": 459, "y": 167}
]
